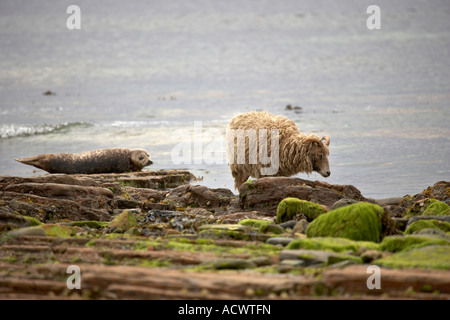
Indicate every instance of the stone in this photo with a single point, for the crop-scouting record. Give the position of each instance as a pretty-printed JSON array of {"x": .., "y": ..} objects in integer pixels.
[
  {"x": 316, "y": 257},
  {"x": 260, "y": 261},
  {"x": 199, "y": 196},
  {"x": 389, "y": 201},
  {"x": 288, "y": 224},
  {"x": 360, "y": 221},
  {"x": 415, "y": 205},
  {"x": 300, "y": 227},
  {"x": 342, "y": 203},
  {"x": 266, "y": 193},
  {"x": 279, "y": 240}
]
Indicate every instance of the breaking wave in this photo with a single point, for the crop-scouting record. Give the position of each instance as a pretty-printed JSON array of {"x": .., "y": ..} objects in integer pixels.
[{"x": 16, "y": 130}]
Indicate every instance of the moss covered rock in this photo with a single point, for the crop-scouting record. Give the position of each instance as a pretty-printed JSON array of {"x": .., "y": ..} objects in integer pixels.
[
  {"x": 437, "y": 208},
  {"x": 57, "y": 230},
  {"x": 122, "y": 222},
  {"x": 404, "y": 243},
  {"x": 426, "y": 224},
  {"x": 361, "y": 221},
  {"x": 288, "y": 208},
  {"x": 331, "y": 244},
  {"x": 90, "y": 224},
  {"x": 262, "y": 225},
  {"x": 429, "y": 257}
]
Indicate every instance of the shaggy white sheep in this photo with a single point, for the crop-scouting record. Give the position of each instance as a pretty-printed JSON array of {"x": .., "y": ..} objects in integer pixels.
[{"x": 275, "y": 137}]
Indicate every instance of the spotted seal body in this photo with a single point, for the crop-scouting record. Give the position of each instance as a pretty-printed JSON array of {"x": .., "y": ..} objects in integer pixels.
[{"x": 115, "y": 160}]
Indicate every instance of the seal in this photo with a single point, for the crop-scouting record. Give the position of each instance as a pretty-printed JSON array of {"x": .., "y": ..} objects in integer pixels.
[{"x": 114, "y": 160}]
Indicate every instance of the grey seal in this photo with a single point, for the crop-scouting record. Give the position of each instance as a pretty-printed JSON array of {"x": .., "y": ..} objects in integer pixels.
[{"x": 114, "y": 160}]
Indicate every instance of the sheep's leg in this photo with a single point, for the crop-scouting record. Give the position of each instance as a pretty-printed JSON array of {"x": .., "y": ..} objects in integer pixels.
[{"x": 239, "y": 179}]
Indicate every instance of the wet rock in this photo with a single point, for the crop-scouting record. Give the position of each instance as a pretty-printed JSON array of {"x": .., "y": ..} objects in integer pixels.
[
  {"x": 288, "y": 224},
  {"x": 199, "y": 196},
  {"x": 316, "y": 257},
  {"x": 389, "y": 201},
  {"x": 51, "y": 209},
  {"x": 279, "y": 240},
  {"x": 342, "y": 203},
  {"x": 266, "y": 193},
  {"x": 301, "y": 227},
  {"x": 10, "y": 221},
  {"x": 416, "y": 204},
  {"x": 93, "y": 197}
]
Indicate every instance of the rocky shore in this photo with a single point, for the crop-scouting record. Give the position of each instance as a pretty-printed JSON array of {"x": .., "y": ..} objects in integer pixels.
[{"x": 158, "y": 235}]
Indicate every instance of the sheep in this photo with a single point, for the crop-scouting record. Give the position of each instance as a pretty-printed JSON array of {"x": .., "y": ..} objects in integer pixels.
[{"x": 290, "y": 151}]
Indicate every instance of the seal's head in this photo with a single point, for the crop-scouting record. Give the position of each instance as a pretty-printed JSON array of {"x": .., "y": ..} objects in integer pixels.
[{"x": 140, "y": 158}]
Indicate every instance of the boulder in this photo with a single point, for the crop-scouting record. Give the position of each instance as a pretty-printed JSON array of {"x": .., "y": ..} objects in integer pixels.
[
  {"x": 359, "y": 221},
  {"x": 266, "y": 193}
]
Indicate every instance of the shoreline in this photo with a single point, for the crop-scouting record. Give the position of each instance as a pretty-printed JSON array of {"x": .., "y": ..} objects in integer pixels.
[{"x": 161, "y": 224}]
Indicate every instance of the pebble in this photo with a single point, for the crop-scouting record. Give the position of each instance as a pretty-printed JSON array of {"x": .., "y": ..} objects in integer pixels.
[{"x": 279, "y": 240}]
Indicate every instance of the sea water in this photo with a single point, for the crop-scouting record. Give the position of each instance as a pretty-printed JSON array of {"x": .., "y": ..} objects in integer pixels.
[{"x": 146, "y": 74}]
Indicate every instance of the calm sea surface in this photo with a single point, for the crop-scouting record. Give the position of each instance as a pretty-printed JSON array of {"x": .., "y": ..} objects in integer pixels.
[{"x": 161, "y": 74}]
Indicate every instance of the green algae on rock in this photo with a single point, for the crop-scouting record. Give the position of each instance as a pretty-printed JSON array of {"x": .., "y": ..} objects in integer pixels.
[
  {"x": 429, "y": 257},
  {"x": 398, "y": 243},
  {"x": 425, "y": 224},
  {"x": 90, "y": 224},
  {"x": 123, "y": 222},
  {"x": 262, "y": 225},
  {"x": 332, "y": 244},
  {"x": 288, "y": 208},
  {"x": 437, "y": 208},
  {"x": 360, "y": 221}
]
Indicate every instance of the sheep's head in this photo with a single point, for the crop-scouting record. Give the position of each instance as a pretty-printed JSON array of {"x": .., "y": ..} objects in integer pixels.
[{"x": 318, "y": 154}]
